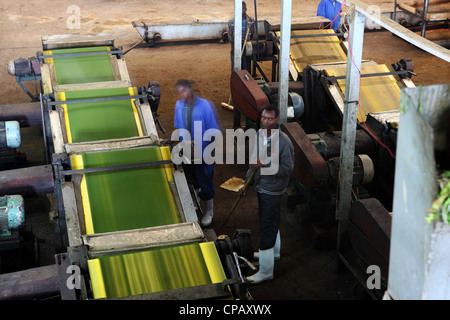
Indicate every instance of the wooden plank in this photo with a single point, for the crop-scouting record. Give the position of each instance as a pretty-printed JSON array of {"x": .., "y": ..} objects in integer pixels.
[
  {"x": 76, "y": 40},
  {"x": 112, "y": 144},
  {"x": 123, "y": 71},
  {"x": 144, "y": 238},
  {"x": 184, "y": 195},
  {"x": 437, "y": 10},
  {"x": 402, "y": 32},
  {"x": 46, "y": 79},
  {"x": 147, "y": 119},
  {"x": 57, "y": 133},
  {"x": 91, "y": 85},
  {"x": 408, "y": 8},
  {"x": 71, "y": 213}
]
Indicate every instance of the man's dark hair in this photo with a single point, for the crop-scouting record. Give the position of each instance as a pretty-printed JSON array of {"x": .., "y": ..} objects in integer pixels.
[
  {"x": 272, "y": 107},
  {"x": 183, "y": 82}
]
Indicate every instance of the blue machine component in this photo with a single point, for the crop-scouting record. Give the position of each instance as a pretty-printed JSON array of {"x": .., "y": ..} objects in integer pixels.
[
  {"x": 12, "y": 214},
  {"x": 10, "y": 134}
]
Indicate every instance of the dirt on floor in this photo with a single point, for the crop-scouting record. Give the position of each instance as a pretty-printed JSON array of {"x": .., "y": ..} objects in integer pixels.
[{"x": 206, "y": 63}]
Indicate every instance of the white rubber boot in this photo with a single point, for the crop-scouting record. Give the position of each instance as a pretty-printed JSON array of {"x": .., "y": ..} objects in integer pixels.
[
  {"x": 208, "y": 213},
  {"x": 266, "y": 264},
  {"x": 276, "y": 249}
]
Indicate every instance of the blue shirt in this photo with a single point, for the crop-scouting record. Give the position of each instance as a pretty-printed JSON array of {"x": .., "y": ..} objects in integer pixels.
[
  {"x": 327, "y": 10},
  {"x": 202, "y": 112}
]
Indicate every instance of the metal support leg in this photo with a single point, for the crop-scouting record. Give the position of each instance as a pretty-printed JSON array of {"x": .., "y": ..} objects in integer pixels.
[
  {"x": 237, "y": 64},
  {"x": 285, "y": 30},
  {"x": 352, "y": 87},
  {"x": 395, "y": 11},
  {"x": 424, "y": 20}
]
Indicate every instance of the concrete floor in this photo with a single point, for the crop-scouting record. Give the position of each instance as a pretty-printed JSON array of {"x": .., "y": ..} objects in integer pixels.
[{"x": 305, "y": 272}]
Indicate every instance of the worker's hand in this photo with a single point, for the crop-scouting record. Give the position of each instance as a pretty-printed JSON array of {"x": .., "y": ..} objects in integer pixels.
[{"x": 257, "y": 165}]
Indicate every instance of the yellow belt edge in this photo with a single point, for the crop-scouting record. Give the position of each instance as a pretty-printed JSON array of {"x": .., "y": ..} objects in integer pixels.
[
  {"x": 50, "y": 61},
  {"x": 97, "y": 282},
  {"x": 77, "y": 164},
  {"x": 212, "y": 262},
  {"x": 133, "y": 91},
  {"x": 62, "y": 97},
  {"x": 168, "y": 168}
]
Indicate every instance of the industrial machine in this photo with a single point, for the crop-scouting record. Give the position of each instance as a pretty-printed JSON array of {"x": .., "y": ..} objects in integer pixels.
[
  {"x": 26, "y": 70},
  {"x": 318, "y": 60},
  {"x": 10, "y": 141},
  {"x": 152, "y": 33},
  {"x": 425, "y": 15},
  {"x": 127, "y": 224},
  {"x": 127, "y": 219}
]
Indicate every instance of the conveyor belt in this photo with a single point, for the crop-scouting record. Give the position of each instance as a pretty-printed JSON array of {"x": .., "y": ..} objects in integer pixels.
[
  {"x": 100, "y": 120},
  {"x": 314, "y": 50},
  {"x": 126, "y": 199},
  {"x": 155, "y": 270},
  {"x": 379, "y": 93},
  {"x": 129, "y": 199},
  {"x": 81, "y": 69}
]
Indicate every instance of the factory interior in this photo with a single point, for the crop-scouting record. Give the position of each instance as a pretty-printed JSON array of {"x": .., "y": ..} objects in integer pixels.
[{"x": 93, "y": 207}]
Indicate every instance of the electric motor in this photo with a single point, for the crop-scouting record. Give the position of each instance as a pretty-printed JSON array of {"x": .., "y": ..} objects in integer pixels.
[
  {"x": 12, "y": 214},
  {"x": 10, "y": 134}
]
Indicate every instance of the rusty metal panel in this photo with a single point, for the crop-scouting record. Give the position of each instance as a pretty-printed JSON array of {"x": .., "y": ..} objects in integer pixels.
[
  {"x": 247, "y": 96},
  {"x": 310, "y": 167},
  {"x": 370, "y": 232},
  {"x": 367, "y": 251},
  {"x": 27, "y": 181}
]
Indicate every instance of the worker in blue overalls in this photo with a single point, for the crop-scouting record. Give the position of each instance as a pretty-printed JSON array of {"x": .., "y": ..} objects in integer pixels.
[
  {"x": 330, "y": 9},
  {"x": 198, "y": 116}
]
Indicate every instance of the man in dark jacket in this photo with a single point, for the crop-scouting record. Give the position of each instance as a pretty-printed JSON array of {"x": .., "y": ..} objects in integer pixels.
[{"x": 273, "y": 163}]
